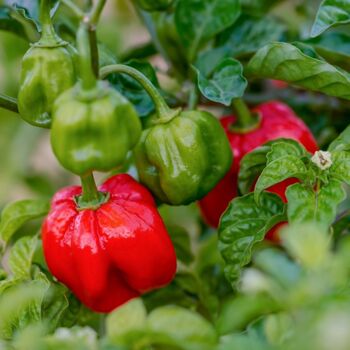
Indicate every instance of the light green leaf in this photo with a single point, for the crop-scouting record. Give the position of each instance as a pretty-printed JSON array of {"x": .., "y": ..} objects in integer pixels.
[
  {"x": 307, "y": 243},
  {"x": 226, "y": 83},
  {"x": 342, "y": 142},
  {"x": 18, "y": 213},
  {"x": 243, "y": 224},
  {"x": 198, "y": 21},
  {"x": 21, "y": 256},
  {"x": 331, "y": 13},
  {"x": 304, "y": 204},
  {"x": 282, "y": 61},
  {"x": 128, "y": 318},
  {"x": 340, "y": 168},
  {"x": 181, "y": 325}
]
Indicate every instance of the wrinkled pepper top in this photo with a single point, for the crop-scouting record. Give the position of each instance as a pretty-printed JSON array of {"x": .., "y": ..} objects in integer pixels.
[
  {"x": 93, "y": 132},
  {"x": 47, "y": 71},
  {"x": 109, "y": 255},
  {"x": 182, "y": 159}
]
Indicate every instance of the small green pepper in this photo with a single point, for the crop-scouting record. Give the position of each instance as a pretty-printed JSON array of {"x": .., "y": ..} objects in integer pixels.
[
  {"x": 47, "y": 70},
  {"x": 181, "y": 156},
  {"x": 182, "y": 159},
  {"x": 93, "y": 125}
]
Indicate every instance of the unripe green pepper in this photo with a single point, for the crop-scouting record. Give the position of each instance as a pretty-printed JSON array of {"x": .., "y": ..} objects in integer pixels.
[
  {"x": 47, "y": 70},
  {"x": 93, "y": 132},
  {"x": 182, "y": 159},
  {"x": 154, "y": 5},
  {"x": 182, "y": 155}
]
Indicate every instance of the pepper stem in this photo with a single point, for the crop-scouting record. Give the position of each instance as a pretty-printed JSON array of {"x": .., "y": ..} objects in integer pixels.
[
  {"x": 8, "y": 103},
  {"x": 246, "y": 121},
  {"x": 164, "y": 112},
  {"x": 48, "y": 33},
  {"x": 90, "y": 198},
  {"x": 88, "y": 77}
]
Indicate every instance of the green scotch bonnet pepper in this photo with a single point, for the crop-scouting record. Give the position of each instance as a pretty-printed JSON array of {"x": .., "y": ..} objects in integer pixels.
[
  {"x": 48, "y": 69},
  {"x": 93, "y": 125}
]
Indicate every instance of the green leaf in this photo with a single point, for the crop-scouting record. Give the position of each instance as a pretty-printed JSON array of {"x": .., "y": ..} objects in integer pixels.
[
  {"x": 132, "y": 90},
  {"x": 243, "y": 224},
  {"x": 127, "y": 318},
  {"x": 254, "y": 162},
  {"x": 238, "y": 312},
  {"x": 18, "y": 213},
  {"x": 282, "y": 61},
  {"x": 182, "y": 243},
  {"x": 342, "y": 142},
  {"x": 198, "y": 21},
  {"x": 182, "y": 326},
  {"x": 308, "y": 243},
  {"x": 334, "y": 47},
  {"x": 304, "y": 204},
  {"x": 331, "y": 13},
  {"x": 284, "y": 161},
  {"x": 249, "y": 34},
  {"x": 226, "y": 83},
  {"x": 21, "y": 256},
  {"x": 340, "y": 168},
  {"x": 258, "y": 7},
  {"x": 8, "y": 23}
]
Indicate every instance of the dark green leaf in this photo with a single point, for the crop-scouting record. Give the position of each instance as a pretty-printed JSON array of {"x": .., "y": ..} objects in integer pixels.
[
  {"x": 182, "y": 243},
  {"x": 284, "y": 161},
  {"x": 18, "y": 213},
  {"x": 226, "y": 83},
  {"x": 132, "y": 90},
  {"x": 198, "y": 21},
  {"x": 304, "y": 204},
  {"x": 8, "y": 23},
  {"x": 331, "y": 13},
  {"x": 243, "y": 224},
  {"x": 258, "y": 7},
  {"x": 282, "y": 61},
  {"x": 249, "y": 34}
]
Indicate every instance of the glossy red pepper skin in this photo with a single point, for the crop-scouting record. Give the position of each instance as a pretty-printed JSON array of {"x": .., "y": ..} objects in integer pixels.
[
  {"x": 277, "y": 121},
  {"x": 112, "y": 254}
]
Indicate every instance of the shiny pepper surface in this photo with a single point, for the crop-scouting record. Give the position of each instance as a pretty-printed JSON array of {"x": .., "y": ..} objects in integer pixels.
[
  {"x": 46, "y": 73},
  {"x": 182, "y": 159},
  {"x": 277, "y": 121},
  {"x": 109, "y": 255},
  {"x": 93, "y": 132}
]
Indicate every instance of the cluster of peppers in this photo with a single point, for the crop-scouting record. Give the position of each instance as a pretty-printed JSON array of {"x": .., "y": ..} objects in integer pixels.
[{"x": 108, "y": 244}]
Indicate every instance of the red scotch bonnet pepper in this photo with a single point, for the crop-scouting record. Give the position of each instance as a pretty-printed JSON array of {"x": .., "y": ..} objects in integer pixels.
[
  {"x": 111, "y": 254},
  {"x": 277, "y": 120}
]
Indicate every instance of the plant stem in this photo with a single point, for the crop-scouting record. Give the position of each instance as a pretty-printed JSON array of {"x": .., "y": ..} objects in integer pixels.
[
  {"x": 48, "y": 34},
  {"x": 83, "y": 43},
  {"x": 246, "y": 120},
  {"x": 193, "y": 98},
  {"x": 8, "y": 103},
  {"x": 77, "y": 11},
  {"x": 90, "y": 193},
  {"x": 164, "y": 112},
  {"x": 96, "y": 12}
]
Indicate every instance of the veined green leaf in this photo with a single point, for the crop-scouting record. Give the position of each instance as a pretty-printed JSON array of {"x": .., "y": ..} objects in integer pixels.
[
  {"x": 282, "y": 61},
  {"x": 305, "y": 204},
  {"x": 340, "y": 168},
  {"x": 331, "y": 13},
  {"x": 243, "y": 224},
  {"x": 18, "y": 213},
  {"x": 342, "y": 142}
]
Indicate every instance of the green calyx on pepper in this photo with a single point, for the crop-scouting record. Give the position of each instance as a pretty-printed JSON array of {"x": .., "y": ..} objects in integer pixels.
[
  {"x": 184, "y": 154},
  {"x": 48, "y": 69},
  {"x": 93, "y": 127}
]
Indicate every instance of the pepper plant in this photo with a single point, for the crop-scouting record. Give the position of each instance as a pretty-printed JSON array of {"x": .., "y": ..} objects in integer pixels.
[{"x": 189, "y": 191}]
